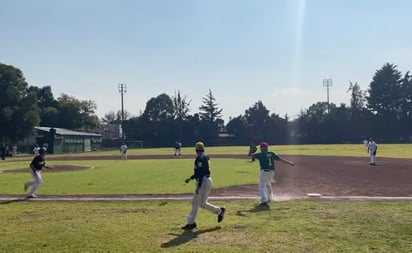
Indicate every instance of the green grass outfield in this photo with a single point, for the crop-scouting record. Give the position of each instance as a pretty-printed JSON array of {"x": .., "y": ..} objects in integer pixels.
[
  {"x": 129, "y": 177},
  {"x": 289, "y": 226},
  {"x": 357, "y": 150}
]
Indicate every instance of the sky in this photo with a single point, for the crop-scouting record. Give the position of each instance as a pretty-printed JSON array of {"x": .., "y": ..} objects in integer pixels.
[{"x": 275, "y": 51}]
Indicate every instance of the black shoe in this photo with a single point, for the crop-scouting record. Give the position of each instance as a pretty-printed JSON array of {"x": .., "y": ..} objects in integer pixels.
[
  {"x": 189, "y": 226},
  {"x": 221, "y": 215}
]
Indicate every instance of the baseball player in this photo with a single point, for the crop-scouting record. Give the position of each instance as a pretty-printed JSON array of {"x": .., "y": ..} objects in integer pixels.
[
  {"x": 372, "y": 149},
  {"x": 36, "y": 165},
  {"x": 178, "y": 147},
  {"x": 36, "y": 150},
  {"x": 123, "y": 151},
  {"x": 203, "y": 187},
  {"x": 252, "y": 150},
  {"x": 267, "y": 171},
  {"x": 365, "y": 144}
]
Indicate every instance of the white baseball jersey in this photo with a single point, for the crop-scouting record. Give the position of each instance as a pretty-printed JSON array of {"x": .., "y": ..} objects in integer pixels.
[
  {"x": 372, "y": 146},
  {"x": 123, "y": 148}
]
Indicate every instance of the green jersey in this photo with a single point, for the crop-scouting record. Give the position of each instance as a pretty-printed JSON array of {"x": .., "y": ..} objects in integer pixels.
[{"x": 267, "y": 160}]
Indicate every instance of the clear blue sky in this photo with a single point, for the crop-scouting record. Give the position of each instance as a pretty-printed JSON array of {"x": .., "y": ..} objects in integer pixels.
[{"x": 276, "y": 51}]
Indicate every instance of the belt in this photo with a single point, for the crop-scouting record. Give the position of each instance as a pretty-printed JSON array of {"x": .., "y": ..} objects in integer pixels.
[{"x": 267, "y": 170}]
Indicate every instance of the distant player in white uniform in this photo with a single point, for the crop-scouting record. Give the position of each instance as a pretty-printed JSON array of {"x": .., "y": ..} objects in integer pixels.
[
  {"x": 178, "y": 147},
  {"x": 36, "y": 150},
  {"x": 372, "y": 149},
  {"x": 365, "y": 144},
  {"x": 123, "y": 151}
]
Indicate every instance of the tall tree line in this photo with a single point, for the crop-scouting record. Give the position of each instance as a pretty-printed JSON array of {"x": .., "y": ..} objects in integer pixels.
[{"x": 383, "y": 110}]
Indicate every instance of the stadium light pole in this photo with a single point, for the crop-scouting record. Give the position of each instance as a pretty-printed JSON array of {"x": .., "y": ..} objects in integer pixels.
[
  {"x": 328, "y": 84},
  {"x": 122, "y": 89}
]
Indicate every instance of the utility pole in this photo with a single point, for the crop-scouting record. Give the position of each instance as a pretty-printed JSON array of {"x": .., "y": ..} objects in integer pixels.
[
  {"x": 122, "y": 90},
  {"x": 328, "y": 84}
]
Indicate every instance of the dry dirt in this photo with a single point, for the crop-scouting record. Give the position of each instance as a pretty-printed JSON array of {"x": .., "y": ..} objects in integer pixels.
[{"x": 326, "y": 175}]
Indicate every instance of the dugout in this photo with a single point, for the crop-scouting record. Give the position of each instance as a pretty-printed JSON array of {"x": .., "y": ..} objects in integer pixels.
[{"x": 60, "y": 140}]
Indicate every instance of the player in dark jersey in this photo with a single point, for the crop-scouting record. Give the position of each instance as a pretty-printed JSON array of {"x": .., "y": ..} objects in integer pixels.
[
  {"x": 267, "y": 171},
  {"x": 36, "y": 165},
  {"x": 203, "y": 187}
]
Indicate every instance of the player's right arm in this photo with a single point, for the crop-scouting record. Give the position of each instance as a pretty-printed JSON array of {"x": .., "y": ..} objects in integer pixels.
[{"x": 284, "y": 160}]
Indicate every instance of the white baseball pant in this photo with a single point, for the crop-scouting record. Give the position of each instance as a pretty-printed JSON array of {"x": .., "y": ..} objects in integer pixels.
[
  {"x": 265, "y": 185},
  {"x": 200, "y": 200},
  {"x": 36, "y": 182}
]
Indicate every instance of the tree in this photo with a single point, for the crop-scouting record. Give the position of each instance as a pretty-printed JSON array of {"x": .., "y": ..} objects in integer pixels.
[
  {"x": 157, "y": 123},
  {"x": 210, "y": 116},
  {"x": 75, "y": 114},
  {"x": 385, "y": 102},
  {"x": 209, "y": 110},
  {"x": 181, "y": 106},
  {"x": 385, "y": 91},
  {"x": 357, "y": 96},
  {"x": 45, "y": 96},
  {"x": 257, "y": 118},
  {"x": 238, "y": 127},
  {"x": 159, "y": 108},
  {"x": 406, "y": 108},
  {"x": 116, "y": 117},
  {"x": 357, "y": 127},
  {"x": 311, "y": 122},
  {"x": 18, "y": 107},
  {"x": 47, "y": 105}
]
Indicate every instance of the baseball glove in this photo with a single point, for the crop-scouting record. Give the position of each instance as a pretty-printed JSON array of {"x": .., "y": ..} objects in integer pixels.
[{"x": 254, "y": 149}]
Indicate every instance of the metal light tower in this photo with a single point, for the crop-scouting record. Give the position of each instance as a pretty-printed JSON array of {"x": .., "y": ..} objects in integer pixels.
[
  {"x": 122, "y": 90},
  {"x": 328, "y": 84}
]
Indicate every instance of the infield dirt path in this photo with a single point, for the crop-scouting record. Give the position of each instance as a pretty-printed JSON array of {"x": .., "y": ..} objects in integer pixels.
[{"x": 331, "y": 177}]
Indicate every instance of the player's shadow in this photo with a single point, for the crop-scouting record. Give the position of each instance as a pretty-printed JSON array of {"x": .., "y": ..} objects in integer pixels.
[
  {"x": 13, "y": 200},
  {"x": 260, "y": 208},
  {"x": 186, "y": 236},
  {"x": 255, "y": 209}
]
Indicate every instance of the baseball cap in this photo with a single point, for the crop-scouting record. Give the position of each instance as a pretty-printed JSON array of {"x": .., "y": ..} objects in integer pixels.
[
  {"x": 42, "y": 151},
  {"x": 199, "y": 145},
  {"x": 264, "y": 145}
]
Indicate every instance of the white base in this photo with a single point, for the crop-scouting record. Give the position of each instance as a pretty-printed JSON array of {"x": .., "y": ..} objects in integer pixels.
[{"x": 314, "y": 195}]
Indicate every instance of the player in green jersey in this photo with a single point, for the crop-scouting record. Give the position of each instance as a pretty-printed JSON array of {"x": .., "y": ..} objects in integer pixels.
[{"x": 267, "y": 171}]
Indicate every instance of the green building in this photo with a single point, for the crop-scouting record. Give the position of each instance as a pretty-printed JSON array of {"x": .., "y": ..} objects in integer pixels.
[{"x": 60, "y": 140}]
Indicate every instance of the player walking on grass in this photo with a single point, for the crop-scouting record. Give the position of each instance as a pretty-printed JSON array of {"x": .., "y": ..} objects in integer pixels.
[
  {"x": 37, "y": 164},
  {"x": 267, "y": 171},
  {"x": 203, "y": 187}
]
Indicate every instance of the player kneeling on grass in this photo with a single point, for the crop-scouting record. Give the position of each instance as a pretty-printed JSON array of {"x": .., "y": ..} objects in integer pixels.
[
  {"x": 203, "y": 187},
  {"x": 36, "y": 165},
  {"x": 267, "y": 171}
]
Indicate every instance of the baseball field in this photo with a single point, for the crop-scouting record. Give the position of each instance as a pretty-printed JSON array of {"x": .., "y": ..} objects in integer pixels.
[{"x": 96, "y": 202}]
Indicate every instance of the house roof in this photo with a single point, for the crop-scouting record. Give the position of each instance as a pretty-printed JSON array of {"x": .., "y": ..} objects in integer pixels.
[{"x": 62, "y": 131}]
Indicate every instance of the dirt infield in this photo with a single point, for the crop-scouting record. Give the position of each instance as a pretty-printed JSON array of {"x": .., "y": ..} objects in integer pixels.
[{"x": 339, "y": 177}]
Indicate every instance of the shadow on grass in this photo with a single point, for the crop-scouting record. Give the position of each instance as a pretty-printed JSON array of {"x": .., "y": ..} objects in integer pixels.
[
  {"x": 13, "y": 200},
  {"x": 186, "y": 236},
  {"x": 255, "y": 209}
]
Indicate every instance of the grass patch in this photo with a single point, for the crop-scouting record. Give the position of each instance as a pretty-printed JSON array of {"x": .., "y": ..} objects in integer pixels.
[
  {"x": 131, "y": 177},
  {"x": 295, "y": 226}
]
